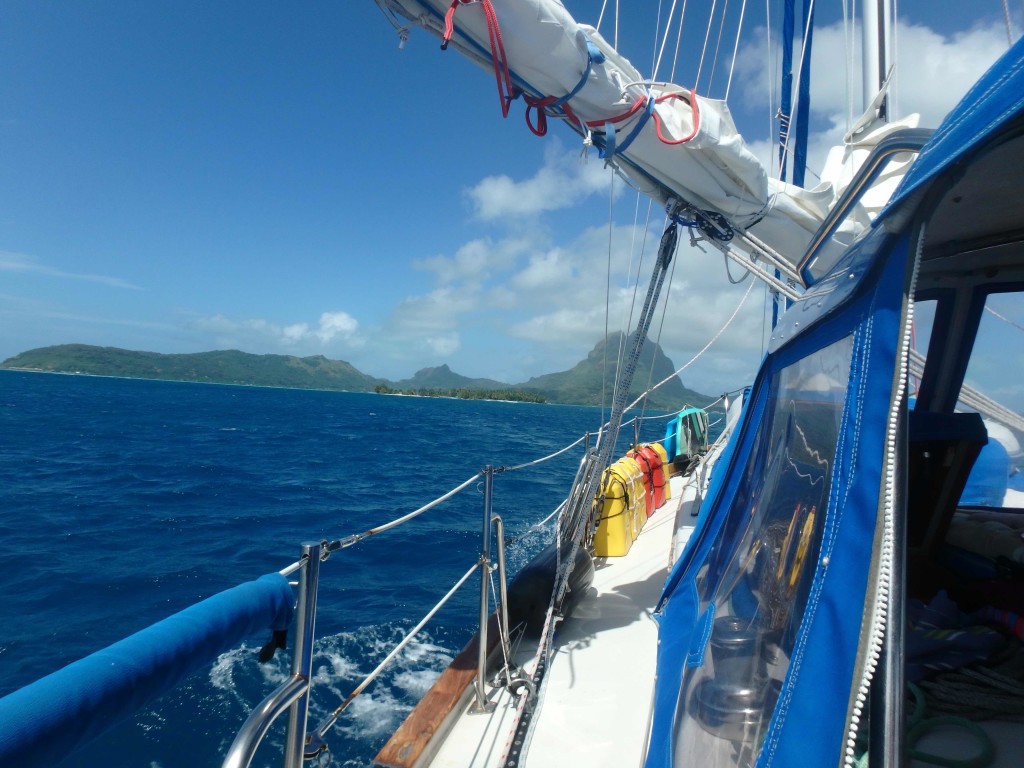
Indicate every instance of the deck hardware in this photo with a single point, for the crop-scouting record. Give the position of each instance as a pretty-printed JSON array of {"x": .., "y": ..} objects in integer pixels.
[
  {"x": 482, "y": 704},
  {"x": 293, "y": 694},
  {"x": 517, "y": 686}
]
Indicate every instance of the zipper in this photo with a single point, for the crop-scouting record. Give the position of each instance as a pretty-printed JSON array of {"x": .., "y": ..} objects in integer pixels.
[{"x": 880, "y": 611}]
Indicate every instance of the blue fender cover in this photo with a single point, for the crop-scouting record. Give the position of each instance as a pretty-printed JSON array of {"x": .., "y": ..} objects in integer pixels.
[{"x": 47, "y": 720}]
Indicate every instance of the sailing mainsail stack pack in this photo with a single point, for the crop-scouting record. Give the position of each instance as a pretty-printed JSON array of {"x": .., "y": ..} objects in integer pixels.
[{"x": 670, "y": 141}]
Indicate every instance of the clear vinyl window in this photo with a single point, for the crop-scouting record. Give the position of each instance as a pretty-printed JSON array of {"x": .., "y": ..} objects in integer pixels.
[
  {"x": 997, "y": 477},
  {"x": 753, "y": 586}
]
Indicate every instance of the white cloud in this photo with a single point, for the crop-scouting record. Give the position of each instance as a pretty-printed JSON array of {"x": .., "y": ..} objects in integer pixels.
[
  {"x": 477, "y": 260},
  {"x": 334, "y": 324},
  {"x": 554, "y": 268},
  {"x": 295, "y": 337},
  {"x": 933, "y": 72},
  {"x": 562, "y": 182},
  {"x": 19, "y": 262},
  {"x": 296, "y": 332},
  {"x": 438, "y": 310},
  {"x": 569, "y": 325},
  {"x": 443, "y": 345}
]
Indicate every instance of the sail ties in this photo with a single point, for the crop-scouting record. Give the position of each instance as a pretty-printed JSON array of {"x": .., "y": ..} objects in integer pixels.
[
  {"x": 594, "y": 56},
  {"x": 643, "y": 108},
  {"x": 646, "y": 106},
  {"x": 502, "y": 75}
]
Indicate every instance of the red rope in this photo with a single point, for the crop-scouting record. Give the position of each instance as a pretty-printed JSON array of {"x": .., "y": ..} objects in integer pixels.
[
  {"x": 641, "y": 103},
  {"x": 501, "y": 71},
  {"x": 506, "y": 91},
  {"x": 693, "y": 107},
  {"x": 638, "y": 105}
]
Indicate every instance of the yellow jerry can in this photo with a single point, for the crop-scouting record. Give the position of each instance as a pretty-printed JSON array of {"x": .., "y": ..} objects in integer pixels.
[{"x": 617, "y": 506}]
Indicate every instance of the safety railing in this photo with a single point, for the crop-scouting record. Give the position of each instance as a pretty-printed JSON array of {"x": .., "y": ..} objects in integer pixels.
[{"x": 292, "y": 696}]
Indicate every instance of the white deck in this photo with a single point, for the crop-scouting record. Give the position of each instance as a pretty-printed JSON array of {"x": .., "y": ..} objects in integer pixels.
[{"x": 596, "y": 707}]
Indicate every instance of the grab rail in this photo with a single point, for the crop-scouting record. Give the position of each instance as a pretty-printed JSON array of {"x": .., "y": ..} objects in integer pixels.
[
  {"x": 243, "y": 748},
  {"x": 293, "y": 694},
  {"x": 906, "y": 140}
]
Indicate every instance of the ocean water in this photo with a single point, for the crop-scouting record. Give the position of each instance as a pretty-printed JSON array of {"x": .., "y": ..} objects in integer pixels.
[{"x": 124, "y": 501}]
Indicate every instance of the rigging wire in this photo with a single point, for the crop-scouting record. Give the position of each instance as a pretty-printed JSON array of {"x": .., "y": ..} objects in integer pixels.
[
  {"x": 704, "y": 51},
  {"x": 793, "y": 127},
  {"x": 664, "y": 39},
  {"x": 607, "y": 301},
  {"x": 329, "y": 721},
  {"x": 542, "y": 459},
  {"x": 735, "y": 49},
  {"x": 615, "y": 42},
  {"x": 705, "y": 348},
  {"x": 848, "y": 35},
  {"x": 679, "y": 42},
  {"x": 661, "y": 324},
  {"x": 728, "y": 274},
  {"x": 655, "y": 55},
  {"x": 718, "y": 45},
  {"x": 625, "y": 335},
  {"x": 764, "y": 316},
  {"x": 636, "y": 282},
  {"x": 773, "y": 135},
  {"x": 648, "y": 389},
  {"x": 1006, "y": 320},
  {"x": 1009, "y": 23},
  {"x": 893, "y": 60}
]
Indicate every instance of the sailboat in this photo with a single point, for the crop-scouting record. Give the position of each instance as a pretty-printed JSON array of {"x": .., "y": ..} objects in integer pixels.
[{"x": 767, "y": 612}]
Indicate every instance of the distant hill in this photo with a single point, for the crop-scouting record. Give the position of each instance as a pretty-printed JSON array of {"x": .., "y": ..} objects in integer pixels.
[
  {"x": 581, "y": 384},
  {"x": 223, "y": 367},
  {"x": 443, "y": 377}
]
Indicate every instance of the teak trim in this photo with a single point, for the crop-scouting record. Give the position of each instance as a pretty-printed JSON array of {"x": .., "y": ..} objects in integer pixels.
[{"x": 409, "y": 744}]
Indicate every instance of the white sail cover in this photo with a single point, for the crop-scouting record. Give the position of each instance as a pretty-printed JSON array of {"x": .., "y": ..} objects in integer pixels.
[{"x": 698, "y": 157}]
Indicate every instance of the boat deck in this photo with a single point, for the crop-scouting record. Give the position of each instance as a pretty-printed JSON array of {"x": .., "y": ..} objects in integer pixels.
[{"x": 596, "y": 707}]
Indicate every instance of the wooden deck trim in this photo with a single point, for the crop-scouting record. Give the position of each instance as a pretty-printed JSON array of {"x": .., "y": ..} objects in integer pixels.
[{"x": 410, "y": 742}]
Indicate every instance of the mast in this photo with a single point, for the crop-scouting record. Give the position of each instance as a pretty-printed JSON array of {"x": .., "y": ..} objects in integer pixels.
[
  {"x": 877, "y": 18},
  {"x": 793, "y": 131}
]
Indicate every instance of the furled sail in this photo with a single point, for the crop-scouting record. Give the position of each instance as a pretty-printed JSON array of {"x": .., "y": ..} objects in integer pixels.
[{"x": 670, "y": 141}]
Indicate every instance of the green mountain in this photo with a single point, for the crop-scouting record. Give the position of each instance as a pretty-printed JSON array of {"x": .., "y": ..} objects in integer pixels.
[
  {"x": 578, "y": 385},
  {"x": 583, "y": 382},
  {"x": 443, "y": 377},
  {"x": 222, "y": 367}
]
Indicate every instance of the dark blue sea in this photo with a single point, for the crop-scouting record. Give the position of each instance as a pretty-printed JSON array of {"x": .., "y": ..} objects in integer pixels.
[{"x": 123, "y": 501}]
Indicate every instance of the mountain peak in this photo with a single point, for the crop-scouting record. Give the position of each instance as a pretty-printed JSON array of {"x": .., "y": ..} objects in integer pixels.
[{"x": 583, "y": 382}]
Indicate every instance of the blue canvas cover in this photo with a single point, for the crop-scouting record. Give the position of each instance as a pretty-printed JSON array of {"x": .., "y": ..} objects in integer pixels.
[
  {"x": 761, "y": 618},
  {"x": 46, "y": 721},
  {"x": 994, "y": 101},
  {"x": 771, "y": 588}
]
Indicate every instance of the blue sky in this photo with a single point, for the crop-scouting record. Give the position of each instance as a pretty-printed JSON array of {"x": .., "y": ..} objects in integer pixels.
[{"x": 281, "y": 178}]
